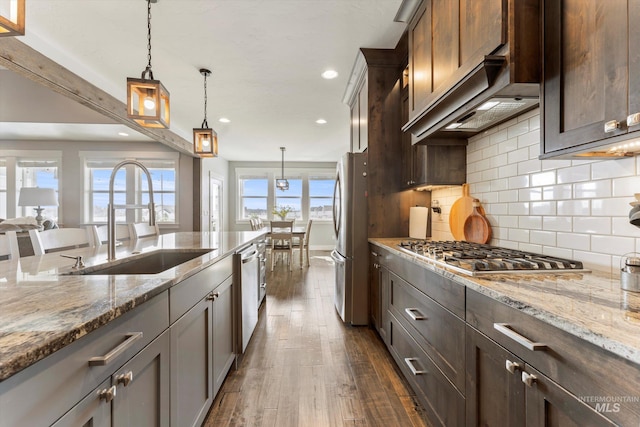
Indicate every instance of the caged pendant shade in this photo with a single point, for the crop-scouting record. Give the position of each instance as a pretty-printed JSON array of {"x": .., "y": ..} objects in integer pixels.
[
  {"x": 148, "y": 99},
  {"x": 12, "y": 18},
  {"x": 205, "y": 139},
  {"x": 282, "y": 184}
]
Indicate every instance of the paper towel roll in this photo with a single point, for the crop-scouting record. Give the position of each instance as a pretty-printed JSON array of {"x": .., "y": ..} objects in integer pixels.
[{"x": 418, "y": 217}]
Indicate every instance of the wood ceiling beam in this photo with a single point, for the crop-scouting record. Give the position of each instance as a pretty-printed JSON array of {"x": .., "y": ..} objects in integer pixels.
[{"x": 29, "y": 63}]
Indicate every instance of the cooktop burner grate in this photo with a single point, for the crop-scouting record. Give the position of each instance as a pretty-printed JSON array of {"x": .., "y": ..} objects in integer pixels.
[{"x": 475, "y": 258}]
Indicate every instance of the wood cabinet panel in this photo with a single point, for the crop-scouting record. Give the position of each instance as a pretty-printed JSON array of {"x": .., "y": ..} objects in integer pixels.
[
  {"x": 421, "y": 79},
  {"x": 483, "y": 28},
  {"x": 439, "y": 333},
  {"x": 445, "y": 40},
  {"x": 443, "y": 403},
  {"x": 586, "y": 71},
  {"x": 363, "y": 124}
]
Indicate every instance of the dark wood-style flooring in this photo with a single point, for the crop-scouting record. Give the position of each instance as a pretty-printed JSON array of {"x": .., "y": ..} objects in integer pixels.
[{"x": 304, "y": 367}]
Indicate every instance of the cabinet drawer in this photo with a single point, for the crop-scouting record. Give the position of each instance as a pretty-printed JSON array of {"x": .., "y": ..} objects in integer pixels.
[
  {"x": 187, "y": 293},
  {"x": 40, "y": 394},
  {"x": 444, "y": 291},
  {"x": 580, "y": 367},
  {"x": 443, "y": 403},
  {"x": 438, "y": 332}
]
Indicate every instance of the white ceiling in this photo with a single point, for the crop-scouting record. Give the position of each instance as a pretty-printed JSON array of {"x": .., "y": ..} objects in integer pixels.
[{"x": 266, "y": 57}]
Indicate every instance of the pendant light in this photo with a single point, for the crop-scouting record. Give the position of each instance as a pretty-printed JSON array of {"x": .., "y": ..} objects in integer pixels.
[
  {"x": 148, "y": 99},
  {"x": 282, "y": 184},
  {"x": 205, "y": 139},
  {"x": 12, "y": 18}
]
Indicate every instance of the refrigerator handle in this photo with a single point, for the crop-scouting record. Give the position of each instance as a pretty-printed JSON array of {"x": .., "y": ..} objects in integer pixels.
[
  {"x": 336, "y": 206},
  {"x": 337, "y": 257}
]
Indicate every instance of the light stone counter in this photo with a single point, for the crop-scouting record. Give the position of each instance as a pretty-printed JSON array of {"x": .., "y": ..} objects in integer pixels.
[
  {"x": 591, "y": 306},
  {"x": 42, "y": 309}
]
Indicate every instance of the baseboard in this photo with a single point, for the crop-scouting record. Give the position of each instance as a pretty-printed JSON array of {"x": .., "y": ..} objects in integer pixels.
[{"x": 321, "y": 247}]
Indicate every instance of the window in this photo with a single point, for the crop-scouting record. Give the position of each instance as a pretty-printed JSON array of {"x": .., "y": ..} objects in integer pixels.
[
  {"x": 253, "y": 197},
  {"x": 321, "y": 198},
  {"x": 310, "y": 194},
  {"x": 130, "y": 187},
  {"x": 37, "y": 168}
]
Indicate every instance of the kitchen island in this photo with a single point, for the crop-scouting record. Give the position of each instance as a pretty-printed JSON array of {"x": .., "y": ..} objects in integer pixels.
[
  {"x": 544, "y": 341},
  {"x": 46, "y": 308}
]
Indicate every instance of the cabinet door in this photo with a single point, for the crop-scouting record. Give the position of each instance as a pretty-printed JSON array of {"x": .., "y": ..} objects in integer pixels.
[
  {"x": 191, "y": 359},
  {"x": 420, "y": 74},
  {"x": 406, "y": 159},
  {"x": 585, "y": 71},
  {"x": 91, "y": 411},
  {"x": 385, "y": 297},
  {"x": 142, "y": 385},
  {"x": 223, "y": 350},
  {"x": 483, "y": 28},
  {"x": 549, "y": 405},
  {"x": 445, "y": 38},
  {"x": 494, "y": 395}
]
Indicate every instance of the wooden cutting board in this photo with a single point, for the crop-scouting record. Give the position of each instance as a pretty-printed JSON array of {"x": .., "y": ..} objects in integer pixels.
[
  {"x": 476, "y": 227},
  {"x": 460, "y": 210}
]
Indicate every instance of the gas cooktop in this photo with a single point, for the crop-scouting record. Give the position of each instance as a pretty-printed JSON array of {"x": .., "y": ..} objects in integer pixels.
[{"x": 475, "y": 259}]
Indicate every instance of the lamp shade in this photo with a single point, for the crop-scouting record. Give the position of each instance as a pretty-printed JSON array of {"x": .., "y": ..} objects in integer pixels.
[
  {"x": 148, "y": 103},
  {"x": 12, "y": 17},
  {"x": 36, "y": 196},
  {"x": 205, "y": 142}
]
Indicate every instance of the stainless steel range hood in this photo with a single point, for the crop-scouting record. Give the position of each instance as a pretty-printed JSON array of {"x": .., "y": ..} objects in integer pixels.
[{"x": 485, "y": 97}]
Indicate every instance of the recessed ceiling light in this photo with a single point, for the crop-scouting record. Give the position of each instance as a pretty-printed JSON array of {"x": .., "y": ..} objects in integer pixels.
[
  {"x": 321, "y": 121},
  {"x": 329, "y": 74},
  {"x": 123, "y": 134},
  {"x": 224, "y": 120}
]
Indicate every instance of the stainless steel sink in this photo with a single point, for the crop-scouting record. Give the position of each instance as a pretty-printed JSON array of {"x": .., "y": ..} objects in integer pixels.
[{"x": 148, "y": 263}]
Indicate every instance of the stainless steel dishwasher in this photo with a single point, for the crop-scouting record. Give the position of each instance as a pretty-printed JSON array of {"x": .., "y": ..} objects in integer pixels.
[{"x": 247, "y": 264}]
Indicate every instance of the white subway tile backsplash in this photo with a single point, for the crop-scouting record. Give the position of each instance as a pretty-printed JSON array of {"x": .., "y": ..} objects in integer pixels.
[
  {"x": 573, "y": 241},
  {"x": 574, "y": 174},
  {"x": 613, "y": 168},
  {"x": 543, "y": 178},
  {"x": 576, "y": 209},
  {"x": 592, "y": 189},
  {"x": 557, "y": 192},
  {"x": 543, "y": 208}
]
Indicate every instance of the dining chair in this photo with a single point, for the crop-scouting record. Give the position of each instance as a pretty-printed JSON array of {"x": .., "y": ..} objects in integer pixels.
[
  {"x": 143, "y": 229},
  {"x": 100, "y": 233},
  {"x": 58, "y": 239},
  {"x": 254, "y": 223},
  {"x": 302, "y": 244},
  {"x": 281, "y": 241},
  {"x": 9, "y": 245}
]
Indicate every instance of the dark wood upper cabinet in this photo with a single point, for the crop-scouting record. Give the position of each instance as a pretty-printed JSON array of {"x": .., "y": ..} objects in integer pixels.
[{"x": 591, "y": 75}]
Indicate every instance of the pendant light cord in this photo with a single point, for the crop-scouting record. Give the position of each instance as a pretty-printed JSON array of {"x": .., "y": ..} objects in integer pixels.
[
  {"x": 148, "y": 69},
  {"x": 282, "y": 175},
  {"x": 204, "y": 122}
]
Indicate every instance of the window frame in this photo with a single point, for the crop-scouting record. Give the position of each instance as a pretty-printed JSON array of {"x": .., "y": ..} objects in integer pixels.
[
  {"x": 134, "y": 181},
  {"x": 272, "y": 174}
]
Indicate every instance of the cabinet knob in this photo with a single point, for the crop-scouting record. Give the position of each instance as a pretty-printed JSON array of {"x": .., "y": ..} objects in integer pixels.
[
  {"x": 211, "y": 297},
  {"x": 528, "y": 379},
  {"x": 611, "y": 126},
  {"x": 512, "y": 366},
  {"x": 125, "y": 379},
  {"x": 107, "y": 394},
  {"x": 633, "y": 119}
]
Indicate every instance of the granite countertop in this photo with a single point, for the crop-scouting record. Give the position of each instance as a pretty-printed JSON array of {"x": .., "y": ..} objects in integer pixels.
[
  {"x": 42, "y": 309},
  {"x": 591, "y": 306}
]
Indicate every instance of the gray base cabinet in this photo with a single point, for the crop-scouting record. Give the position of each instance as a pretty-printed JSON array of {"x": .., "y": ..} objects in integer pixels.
[{"x": 223, "y": 337}]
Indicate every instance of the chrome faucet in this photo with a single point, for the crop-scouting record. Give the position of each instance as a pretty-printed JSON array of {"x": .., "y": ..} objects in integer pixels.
[{"x": 111, "y": 210}]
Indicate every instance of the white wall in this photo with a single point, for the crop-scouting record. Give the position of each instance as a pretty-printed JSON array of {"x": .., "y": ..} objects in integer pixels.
[
  {"x": 218, "y": 168},
  {"x": 576, "y": 209}
]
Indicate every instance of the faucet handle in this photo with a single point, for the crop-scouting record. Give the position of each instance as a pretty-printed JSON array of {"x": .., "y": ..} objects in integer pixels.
[{"x": 79, "y": 263}]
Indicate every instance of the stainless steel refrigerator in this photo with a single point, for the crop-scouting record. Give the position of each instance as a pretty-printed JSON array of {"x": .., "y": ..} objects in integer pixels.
[{"x": 351, "y": 252}]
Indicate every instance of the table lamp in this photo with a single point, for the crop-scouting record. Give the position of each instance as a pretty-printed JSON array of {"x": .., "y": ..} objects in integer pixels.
[{"x": 36, "y": 196}]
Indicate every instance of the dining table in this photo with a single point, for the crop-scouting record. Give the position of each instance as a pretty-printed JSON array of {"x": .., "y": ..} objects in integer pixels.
[{"x": 297, "y": 232}]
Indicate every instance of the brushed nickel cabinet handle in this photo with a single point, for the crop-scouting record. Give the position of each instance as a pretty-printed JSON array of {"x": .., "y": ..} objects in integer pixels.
[
  {"x": 125, "y": 379},
  {"x": 633, "y": 119},
  {"x": 528, "y": 379},
  {"x": 512, "y": 366},
  {"x": 132, "y": 337},
  {"x": 211, "y": 297},
  {"x": 415, "y": 314},
  {"x": 505, "y": 329},
  {"x": 611, "y": 126},
  {"x": 107, "y": 394},
  {"x": 409, "y": 361}
]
